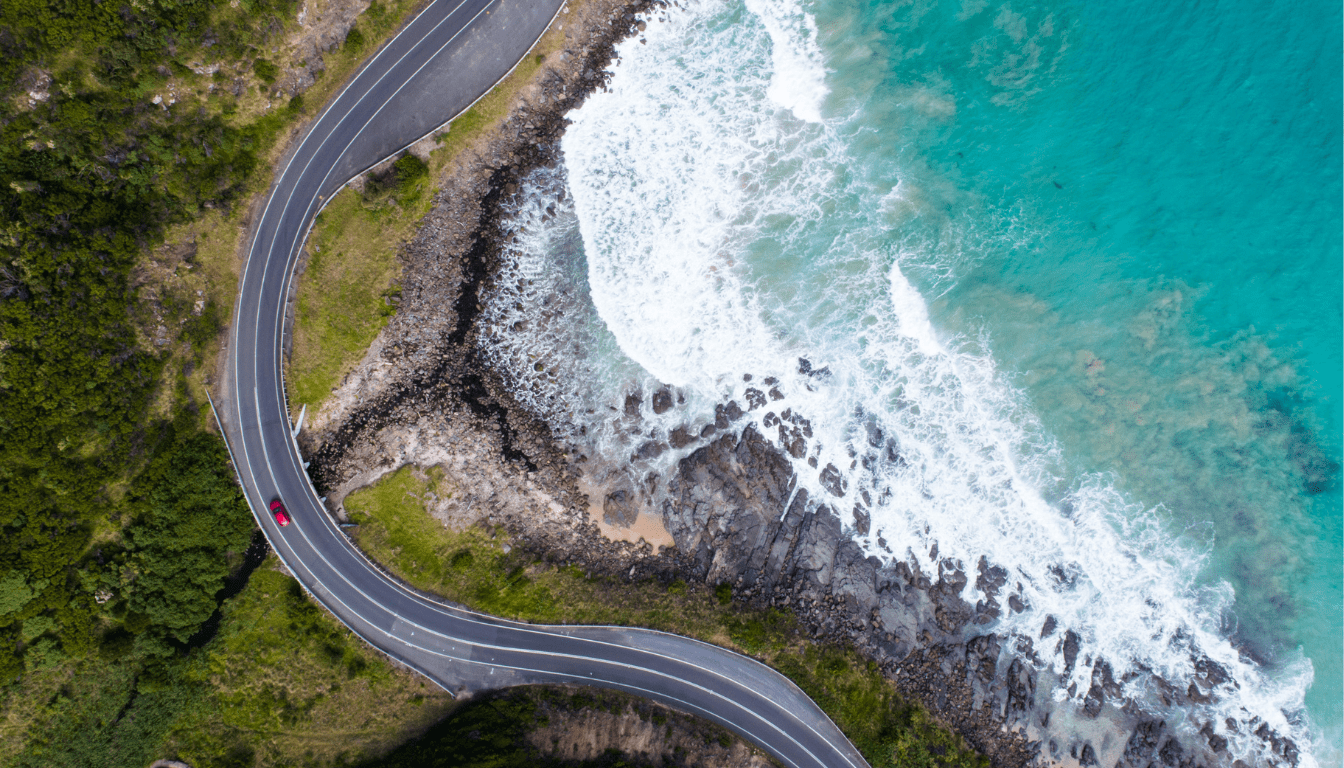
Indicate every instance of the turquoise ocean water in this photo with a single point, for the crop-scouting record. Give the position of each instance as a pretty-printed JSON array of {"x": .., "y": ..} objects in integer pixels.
[
  {"x": 1078, "y": 264},
  {"x": 1168, "y": 169},
  {"x": 1198, "y": 150}
]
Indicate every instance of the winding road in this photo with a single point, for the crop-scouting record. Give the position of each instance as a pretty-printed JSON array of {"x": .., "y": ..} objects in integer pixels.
[{"x": 445, "y": 58}]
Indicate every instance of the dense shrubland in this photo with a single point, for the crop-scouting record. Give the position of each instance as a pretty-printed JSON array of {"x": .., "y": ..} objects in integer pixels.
[
  {"x": 123, "y": 125},
  {"x": 92, "y": 172}
]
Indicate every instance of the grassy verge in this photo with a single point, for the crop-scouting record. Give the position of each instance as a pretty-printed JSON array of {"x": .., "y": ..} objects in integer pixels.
[
  {"x": 472, "y": 567},
  {"x": 346, "y": 295},
  {"x": 290, "y": 685},
  {"x": 282, "y": 684},
  {"x": 215, "y": 238}
]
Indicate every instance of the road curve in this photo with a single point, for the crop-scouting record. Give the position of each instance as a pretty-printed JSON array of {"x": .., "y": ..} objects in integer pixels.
[{"x": 445, "y": 58}]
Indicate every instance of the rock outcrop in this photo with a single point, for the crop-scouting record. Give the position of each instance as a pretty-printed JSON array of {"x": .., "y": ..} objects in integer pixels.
[{"x": 733, "y": 513}]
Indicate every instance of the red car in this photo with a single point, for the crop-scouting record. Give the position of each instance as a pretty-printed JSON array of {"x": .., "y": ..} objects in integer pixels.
[{"x": 281, "y": 516}]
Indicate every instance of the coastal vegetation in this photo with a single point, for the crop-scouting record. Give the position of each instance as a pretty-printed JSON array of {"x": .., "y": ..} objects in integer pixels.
[
  {"x": 282, "y": 683},
  {"x": 131, "y": 139},
  {"x": 347, "y": 293},
  {"x": 132, "y": 142},
  {"x": 476, "y": 567}
]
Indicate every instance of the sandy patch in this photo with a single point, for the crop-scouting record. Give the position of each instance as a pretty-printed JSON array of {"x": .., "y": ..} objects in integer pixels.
[{"x": 647, "y": 527}]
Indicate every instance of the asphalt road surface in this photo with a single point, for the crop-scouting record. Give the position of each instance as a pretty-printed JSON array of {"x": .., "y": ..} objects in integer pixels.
[{"x": 441, "y": 62}]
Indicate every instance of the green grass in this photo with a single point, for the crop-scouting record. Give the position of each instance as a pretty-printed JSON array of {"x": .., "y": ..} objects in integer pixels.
[
  {"x": 467, "y": 566},
  {"x": 282, "y": 684},
  {"x": 343, "y": 295},
  {"x": 471, "y": 567},
  {"x": 290, "y": 684}
]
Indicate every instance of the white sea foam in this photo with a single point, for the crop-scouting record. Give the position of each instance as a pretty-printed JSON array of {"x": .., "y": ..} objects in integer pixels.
[
  {"x": 736, "y": 151},
  {"x": 723, "y": 237},
  {"x": 798, "y": 82},
  {"x": 911, "y": 313}
]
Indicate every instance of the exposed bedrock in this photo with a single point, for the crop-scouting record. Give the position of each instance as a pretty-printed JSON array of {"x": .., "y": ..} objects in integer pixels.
[
  {"x": 726, "y": 508},
  {"x": 734, "y": 515},
  {"x": 422, "y": 382}
]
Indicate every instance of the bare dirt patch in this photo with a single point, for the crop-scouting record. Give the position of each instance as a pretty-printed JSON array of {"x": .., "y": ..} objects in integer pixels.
[{"x": 645, "y": 732}]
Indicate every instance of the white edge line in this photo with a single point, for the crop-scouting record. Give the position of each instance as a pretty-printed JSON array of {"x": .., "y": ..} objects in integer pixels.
[
  {"x": 280, "y": 176},
  {"x": 289, "y": 266}
]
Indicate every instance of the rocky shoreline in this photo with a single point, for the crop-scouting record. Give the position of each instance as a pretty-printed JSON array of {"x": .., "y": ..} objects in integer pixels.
[{"x": 425, "y": 395}]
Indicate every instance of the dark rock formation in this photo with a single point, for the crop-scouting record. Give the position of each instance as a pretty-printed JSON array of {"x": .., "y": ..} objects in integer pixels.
[
  {"x": 662, "y": 401},
  {"x": 733, "y": 514},
  {"x": 620, "y": 507}
]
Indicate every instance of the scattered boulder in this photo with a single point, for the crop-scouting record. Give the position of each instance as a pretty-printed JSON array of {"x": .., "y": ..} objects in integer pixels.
[
  {"x": 662, "y": 401},
  {"x": 681, "y": 437},
  {"x": 620, "y": 508}
]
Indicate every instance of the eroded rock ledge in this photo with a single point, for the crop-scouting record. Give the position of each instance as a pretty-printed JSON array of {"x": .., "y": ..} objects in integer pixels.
[{"x": 422, "y": 394}]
